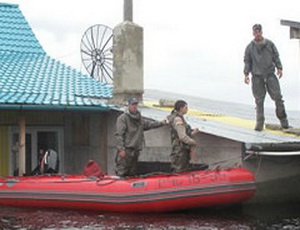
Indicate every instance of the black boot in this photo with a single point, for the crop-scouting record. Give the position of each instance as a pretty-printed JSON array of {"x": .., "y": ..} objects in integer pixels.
[
  {"x": 284, "y": 123},
  {"x": 259, "y": 126}
]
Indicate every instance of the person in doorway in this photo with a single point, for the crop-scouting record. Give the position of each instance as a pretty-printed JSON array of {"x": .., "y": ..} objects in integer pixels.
[
  {"x": 48, "y": 163},
  {"x": 183, "y": 144},
  {"x": 130, "y": 129},
  {"x": 260, "y": 59}
]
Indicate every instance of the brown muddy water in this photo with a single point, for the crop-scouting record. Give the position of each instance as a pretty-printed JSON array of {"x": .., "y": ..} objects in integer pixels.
[{"x": 277, "y": 217}]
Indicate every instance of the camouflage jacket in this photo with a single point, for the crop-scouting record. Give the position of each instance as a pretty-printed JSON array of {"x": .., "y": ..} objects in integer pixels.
[
  {"x": 130, "y": 130},
  {"x": 261, "y": 58},
  {"x": 181, "y": 132}
]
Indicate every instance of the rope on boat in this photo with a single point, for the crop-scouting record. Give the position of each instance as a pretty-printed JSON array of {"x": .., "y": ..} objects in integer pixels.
[
  {"x": 228, "y": 161},
  {"x": 273, "y": 159}
]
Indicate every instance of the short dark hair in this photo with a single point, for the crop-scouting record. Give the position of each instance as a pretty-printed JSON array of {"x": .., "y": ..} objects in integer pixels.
[
  {"x": 257, "y": 27},
  {"x": 179, "y": 104}
]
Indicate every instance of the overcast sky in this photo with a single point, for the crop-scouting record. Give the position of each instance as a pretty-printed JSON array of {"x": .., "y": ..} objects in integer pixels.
[{"x": 190, "y": 46}]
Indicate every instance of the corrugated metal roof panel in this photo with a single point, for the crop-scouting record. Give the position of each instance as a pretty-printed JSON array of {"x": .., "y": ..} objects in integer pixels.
[{"x": 230, "y": 131}]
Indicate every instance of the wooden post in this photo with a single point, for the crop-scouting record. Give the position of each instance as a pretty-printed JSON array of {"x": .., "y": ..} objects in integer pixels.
[{"x": 22, "y": 144}]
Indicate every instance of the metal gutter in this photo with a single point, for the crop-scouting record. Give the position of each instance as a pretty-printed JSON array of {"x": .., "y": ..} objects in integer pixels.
[
  {"x": 279, "y": 154},
  {"x": 273, "y": 147},
  {"x": 56, "y": 107}
]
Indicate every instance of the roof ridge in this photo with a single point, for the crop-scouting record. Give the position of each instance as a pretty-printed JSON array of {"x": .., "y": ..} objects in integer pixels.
[
  {"x": 3, "y": 4},
  {"x": 16, "y": 33}
]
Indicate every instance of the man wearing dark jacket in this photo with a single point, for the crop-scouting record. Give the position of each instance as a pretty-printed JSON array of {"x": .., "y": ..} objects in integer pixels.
[
  {"x": 261, "y": 58},
  {"x": 130, "y": 138}
]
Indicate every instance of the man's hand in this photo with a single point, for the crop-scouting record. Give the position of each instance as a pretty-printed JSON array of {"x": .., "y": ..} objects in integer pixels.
[
  {"x": 165, "y": 121},
  {"x": 192, "y": 154},
  {"x": 195, "y": 131},
  {"x": 279, "y": 73},
  {"x": 247, "y": 80},
  {"x": 122, "y": 153}
]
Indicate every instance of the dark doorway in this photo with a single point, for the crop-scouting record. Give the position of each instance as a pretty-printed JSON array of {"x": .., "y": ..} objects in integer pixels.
[{"x": 47, "y": 140}]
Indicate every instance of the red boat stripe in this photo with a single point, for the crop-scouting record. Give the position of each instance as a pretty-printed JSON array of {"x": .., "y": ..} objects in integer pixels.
[
  {"x": 144, "y": 192},
  {"x": 122, "y": 198}
]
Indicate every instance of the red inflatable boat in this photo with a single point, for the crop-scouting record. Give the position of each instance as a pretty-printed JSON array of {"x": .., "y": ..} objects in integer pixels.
[{"x": 156, "y": 193}]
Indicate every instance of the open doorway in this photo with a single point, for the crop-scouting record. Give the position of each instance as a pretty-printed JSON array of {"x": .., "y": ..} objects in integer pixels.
[
  {"x": 38, "y": 140},
  {"x": 47, "y": 140}
]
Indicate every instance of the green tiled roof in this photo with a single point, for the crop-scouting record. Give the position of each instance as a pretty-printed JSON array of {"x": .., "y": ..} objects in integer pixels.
[{"x": 30, "y": 79}]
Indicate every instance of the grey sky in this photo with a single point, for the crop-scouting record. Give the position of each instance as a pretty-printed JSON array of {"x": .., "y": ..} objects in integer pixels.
[{"x": 192, "y": 47}]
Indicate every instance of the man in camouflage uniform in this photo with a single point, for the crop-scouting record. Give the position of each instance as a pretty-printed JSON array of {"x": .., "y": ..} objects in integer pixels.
[
  {"x": 130, "y": 138},
  {"x": 183, "y": 144},
  {"x": 261, "y": 58}
]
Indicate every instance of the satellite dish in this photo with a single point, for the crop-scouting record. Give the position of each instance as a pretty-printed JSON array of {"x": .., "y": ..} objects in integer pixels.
[{"x": 96, "y": 52}]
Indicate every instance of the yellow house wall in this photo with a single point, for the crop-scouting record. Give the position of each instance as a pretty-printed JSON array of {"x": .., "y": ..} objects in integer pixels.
[{"x": 4, "y": 151}]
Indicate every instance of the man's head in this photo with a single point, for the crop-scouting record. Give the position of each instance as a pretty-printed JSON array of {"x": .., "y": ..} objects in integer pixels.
[
  {"x": 257, "y": 32},
  {"x": 181, "y": 106},
  {"x": 133, "y": 105}
]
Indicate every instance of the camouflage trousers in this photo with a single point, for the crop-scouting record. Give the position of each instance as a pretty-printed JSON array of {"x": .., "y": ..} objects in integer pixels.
[
  {"x": 180, "y": 159},
  {"x": 127, "y": 166},
  {"x": 260, "y": 86}
]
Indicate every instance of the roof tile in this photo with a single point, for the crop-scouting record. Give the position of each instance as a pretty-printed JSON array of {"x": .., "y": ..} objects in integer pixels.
[{"x": 29, "y": 76}]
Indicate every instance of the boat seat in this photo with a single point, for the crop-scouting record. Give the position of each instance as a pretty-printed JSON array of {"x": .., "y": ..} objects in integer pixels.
[{"x": 92, "y": 169}]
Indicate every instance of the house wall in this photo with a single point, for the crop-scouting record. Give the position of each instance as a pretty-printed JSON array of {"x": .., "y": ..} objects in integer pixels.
[
  {"x": 90, "y": 135},
  {"x": 218, "y": 151},
  {"x": 111, "y": 151},
  {"x": 10, "y": 119},
  {"x": 33, "y": 118},
  {"x": 212, "y": 150},
  {"x": 85, "y": 139},
  {"x": 84, "y": 136}
]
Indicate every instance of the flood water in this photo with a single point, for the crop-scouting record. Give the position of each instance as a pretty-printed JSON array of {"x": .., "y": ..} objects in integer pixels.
[{"x": 277, "y": 217}]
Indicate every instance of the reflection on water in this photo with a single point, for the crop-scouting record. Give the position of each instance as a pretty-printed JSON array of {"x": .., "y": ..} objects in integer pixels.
[{"x": 279, "y": 217}]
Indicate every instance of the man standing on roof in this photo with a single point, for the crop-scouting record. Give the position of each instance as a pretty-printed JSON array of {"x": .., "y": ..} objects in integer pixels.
[
  {"x": 261, "y": 58},
  {"x": 130, "y": 138},
  {"x": 183, "y": 145}
]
